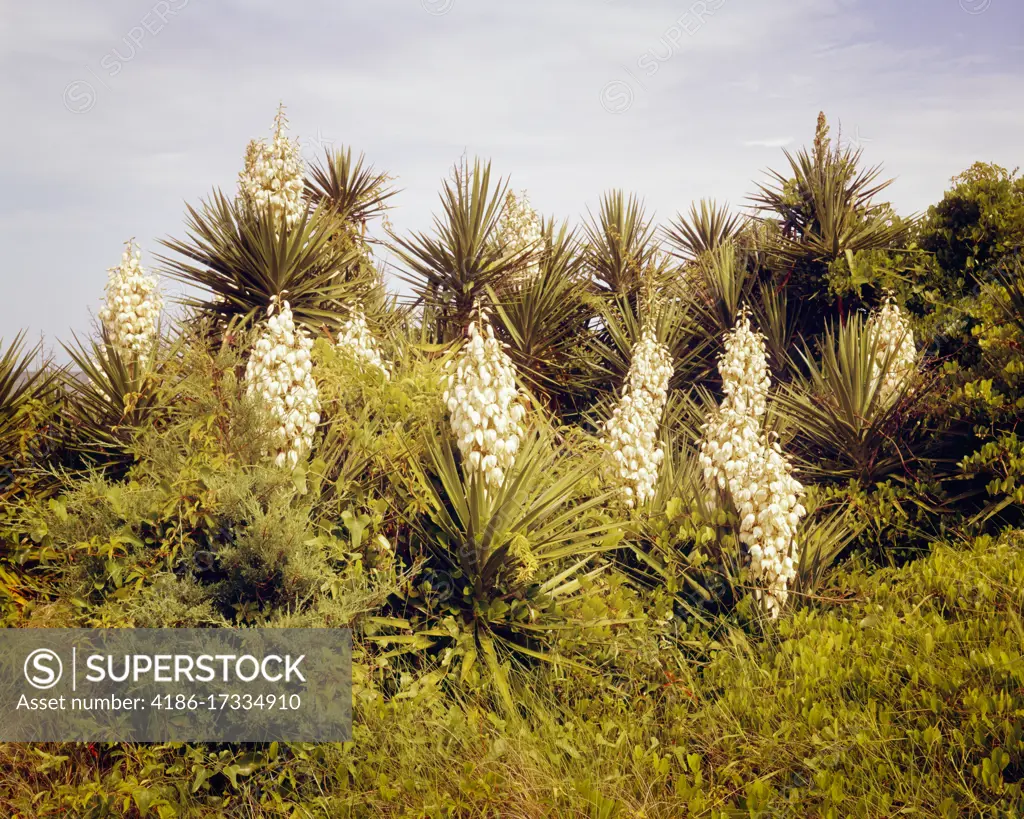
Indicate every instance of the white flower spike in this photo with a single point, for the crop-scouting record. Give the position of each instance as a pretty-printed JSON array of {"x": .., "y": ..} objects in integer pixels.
[
  {"x": 743, "y": 464},
  {"x": 520, "y": 228},
  {"x": 894, "y": 342},
  {"x": 131, "y": 310},
  {"x": 484, "y": 403},
  {"x": 280, "y": 372},
  {"x": 631, "y": 434},
  {"x": 272, "y": 182},
  {"x": 357, "y": 340}
]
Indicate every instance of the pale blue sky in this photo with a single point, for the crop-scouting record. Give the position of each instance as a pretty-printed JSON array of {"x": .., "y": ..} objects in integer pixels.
[{"x": 117, "y": 112}]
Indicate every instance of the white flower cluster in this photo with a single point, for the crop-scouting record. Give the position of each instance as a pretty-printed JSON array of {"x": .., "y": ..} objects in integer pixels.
[
  {"x": 485, "y": 406},
  {"x": 519, "y": 228},
  {"x": 632, "y": 431},
  {"x": 132, "y": 308},
  {"x": 894, "y": 340},
  {"x": 280, "y": 372},
  {"x": 743, "y": 463},
  {"x": 357, "y": 340},
  {"x": 273, "y": 181}
]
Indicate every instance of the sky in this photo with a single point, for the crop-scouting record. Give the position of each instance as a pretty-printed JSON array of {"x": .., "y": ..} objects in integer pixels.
[{"x": 117, "y": 113}]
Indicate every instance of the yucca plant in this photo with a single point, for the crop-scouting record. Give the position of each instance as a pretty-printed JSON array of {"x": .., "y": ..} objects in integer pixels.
[
  {"x": 777, "y": 320},
  {"x": 353, "y": 191},
  {"x": 620, "y": 248},
  {"x": 686, "y": 413},
  {"x": 843, "y": 424},
  {"x": 365, "y": 417},
  {"x": 703, "y": 231},
  {"x": 677, "y": 321},
  {"x": 507, "y": 558},
  {"x": 683, "y": 543},
  {"x": 24, "y": 378},
  {"x": 241, "y": 261},
  {"x": 681, "y": 476},
  {"x": 450, "y": 270},
  {"x": 544, "y": 319},
  {"x": 825, "y": 208},
  {"x": 721, "y": 282},
  {"x": 112, "y": 393},
  {"x": 344, "y": 460},
  {"x": 824, "y": 218},
  {"x": 688, "y": 545},
  {"x": 832, "y": 215},
  {"x": 19, "y": 383},
  {"x": 824, "y": 536}
]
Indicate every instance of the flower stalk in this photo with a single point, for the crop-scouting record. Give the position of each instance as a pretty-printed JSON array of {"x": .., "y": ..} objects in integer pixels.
[
  {"x": 357, "y": 341},
  {"x": 272, "y": 183},
  {"x": 746, "y": 466},
  {"x": 520, "y": 229},
  {"x": 131, "y": 310},
  {"x": 280, "y": 373},
  {"x": 895, "y": 350},
  {"x": 631, "y": 434},
  {"x": 484, "y": 404}
]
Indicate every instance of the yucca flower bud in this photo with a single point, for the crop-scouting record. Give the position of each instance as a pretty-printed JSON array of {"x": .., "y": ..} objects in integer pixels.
[
  {"x": 272, "y": 182},
  {"x": 519, "y": 228},
  {"x": 280, "y": 374},
  {"x": 357, "y": 340},
  {"x": 131, "y": 311},
  {"x": 894, "y": 343},
  {"x": 484, "y": 403},
  {"x": 745, "y": 466},
  {"x": 631, "y": 434}
]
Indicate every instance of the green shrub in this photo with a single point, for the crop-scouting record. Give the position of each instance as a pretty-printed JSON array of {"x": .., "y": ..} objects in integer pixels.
[
  {"x": 900, "y": 692},
  {"x": 979, "y": 219},
  {"x": 536, "y": 648}
]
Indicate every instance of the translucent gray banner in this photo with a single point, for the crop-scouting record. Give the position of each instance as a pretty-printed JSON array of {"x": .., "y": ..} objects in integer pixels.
[{"x": 175, "y": 685}]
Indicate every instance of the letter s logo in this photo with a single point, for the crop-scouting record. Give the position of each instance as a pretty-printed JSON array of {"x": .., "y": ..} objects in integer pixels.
[{"x": 43, "y": 668}]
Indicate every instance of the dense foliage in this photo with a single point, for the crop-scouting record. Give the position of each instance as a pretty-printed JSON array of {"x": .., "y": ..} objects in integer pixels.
[{"x": 717, "y": 518}]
